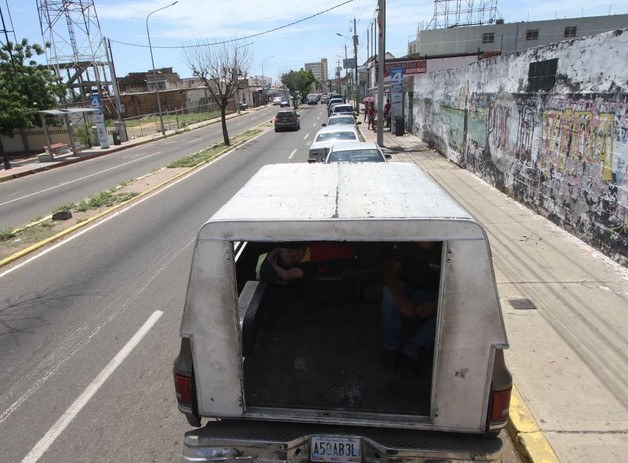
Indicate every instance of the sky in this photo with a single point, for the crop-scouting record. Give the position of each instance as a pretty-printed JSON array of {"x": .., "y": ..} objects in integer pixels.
[{"x": 286, "y": 33}]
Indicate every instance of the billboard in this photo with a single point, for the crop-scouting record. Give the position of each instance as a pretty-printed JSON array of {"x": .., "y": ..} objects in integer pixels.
[{"x": 411, "y": 67}]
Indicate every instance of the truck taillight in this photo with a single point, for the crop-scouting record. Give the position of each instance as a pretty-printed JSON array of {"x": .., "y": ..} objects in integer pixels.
[
  {"x": 183, "y": 389},
  {"x": 500, "y": 405}
]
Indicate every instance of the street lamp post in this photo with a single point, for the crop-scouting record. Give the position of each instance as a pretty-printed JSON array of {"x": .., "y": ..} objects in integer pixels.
[
  {"x": 355, "y": 55},
  {"x": 238, "y": 75},
  {"x": 152, "y": 60},
  {"x": 264, "y": 81}
]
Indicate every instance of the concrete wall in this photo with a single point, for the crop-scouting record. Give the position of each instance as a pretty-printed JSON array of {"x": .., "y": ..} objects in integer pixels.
[
  {"x": 563, "y": 153},
  {"x": 511, "y": 37}
]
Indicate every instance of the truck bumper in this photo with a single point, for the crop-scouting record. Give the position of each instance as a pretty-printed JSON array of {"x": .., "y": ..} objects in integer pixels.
[{"x": 231, "y": 440}]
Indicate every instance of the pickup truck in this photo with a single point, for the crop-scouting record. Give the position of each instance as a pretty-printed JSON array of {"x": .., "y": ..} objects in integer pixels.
[{"x": 293, "y": 372}]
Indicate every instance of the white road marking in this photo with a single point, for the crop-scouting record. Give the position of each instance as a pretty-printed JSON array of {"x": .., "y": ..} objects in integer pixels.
[
  {"x": 306, "y": 135},
  {"x": 192, "y": 141},
  {"x": 79, "y": 179},
  {"x": 292, "y": 154},
  {"x": 63, "y": 422}
]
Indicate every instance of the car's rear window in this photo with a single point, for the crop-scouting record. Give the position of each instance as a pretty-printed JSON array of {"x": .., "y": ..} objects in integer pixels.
[
  {"x": 364, "y": 155},
  {"x": 336, "y": 136}
]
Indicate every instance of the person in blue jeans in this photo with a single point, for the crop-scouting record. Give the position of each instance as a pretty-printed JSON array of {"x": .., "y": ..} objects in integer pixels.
[{"x": 409, "y": 303}]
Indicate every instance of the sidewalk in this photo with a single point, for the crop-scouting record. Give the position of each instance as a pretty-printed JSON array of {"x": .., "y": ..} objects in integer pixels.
[{"x": 564, "y": 307}]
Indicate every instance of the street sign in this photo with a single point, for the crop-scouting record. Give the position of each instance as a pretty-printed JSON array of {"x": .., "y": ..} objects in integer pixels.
[
  {"x": 409, "y": 67},
  {"x": 348, "y": 63}
]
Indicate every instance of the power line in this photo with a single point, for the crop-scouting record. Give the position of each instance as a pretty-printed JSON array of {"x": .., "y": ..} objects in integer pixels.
[{"x": 240, "y": 38}]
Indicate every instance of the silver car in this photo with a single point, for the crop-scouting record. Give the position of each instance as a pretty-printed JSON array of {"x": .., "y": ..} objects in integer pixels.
[
  {"x": 341, "y": 119},
  {"x": 328, "y": 136},
  {"x": 356, "y": 152}
]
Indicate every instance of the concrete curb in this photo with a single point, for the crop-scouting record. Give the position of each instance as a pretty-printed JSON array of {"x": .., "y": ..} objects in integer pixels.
[{"x": 526, "y": 434}]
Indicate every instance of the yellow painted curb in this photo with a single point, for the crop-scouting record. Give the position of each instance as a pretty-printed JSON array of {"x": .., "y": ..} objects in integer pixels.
[
  {"x": 526, "y": 433},
  {"x": 73, "y": 228}
]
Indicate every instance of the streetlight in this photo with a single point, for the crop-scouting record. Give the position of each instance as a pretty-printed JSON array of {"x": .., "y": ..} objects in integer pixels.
[
  {"x": 355, "y": 55},
  {"x": 264, "y": 81},
  {"x": 161, "y": 119},
  {"x": 238, "y": 74}
]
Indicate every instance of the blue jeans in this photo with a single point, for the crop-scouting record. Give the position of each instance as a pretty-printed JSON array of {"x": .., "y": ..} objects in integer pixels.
[{"x": 423, "y": 330}]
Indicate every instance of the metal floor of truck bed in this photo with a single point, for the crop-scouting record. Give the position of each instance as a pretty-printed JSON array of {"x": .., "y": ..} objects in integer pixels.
[{"x": 327, "y": 356}]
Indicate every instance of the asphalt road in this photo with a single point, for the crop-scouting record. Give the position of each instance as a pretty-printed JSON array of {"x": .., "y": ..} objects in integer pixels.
[{"x": 89, "y": 326}]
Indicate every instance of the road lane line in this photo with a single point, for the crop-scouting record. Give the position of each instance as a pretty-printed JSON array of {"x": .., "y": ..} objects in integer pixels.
[
  {"x": 63, "y": 422},
  {"x": 78, "y": 179},
  {"x": 292, "y": 154},
  {"x": 306, "y": 135}
]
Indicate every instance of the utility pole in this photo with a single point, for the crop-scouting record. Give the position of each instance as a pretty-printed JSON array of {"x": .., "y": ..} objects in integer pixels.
[
  {"x": 380, "y": 72},
  {"x": 355, "y": 54}
]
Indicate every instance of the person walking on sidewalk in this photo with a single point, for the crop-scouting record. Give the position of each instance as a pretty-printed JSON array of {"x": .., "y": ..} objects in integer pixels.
[
  {"x": 371, "y": 116},
  {"x": 387, "y": 107}
]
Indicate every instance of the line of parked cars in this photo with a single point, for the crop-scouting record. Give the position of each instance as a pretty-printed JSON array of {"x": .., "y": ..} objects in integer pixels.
[{"x": 339, "y": 140}]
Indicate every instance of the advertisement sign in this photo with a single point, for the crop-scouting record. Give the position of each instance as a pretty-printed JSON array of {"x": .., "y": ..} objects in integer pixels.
[
  {"x": 409, "y": 67},
  {"x": 348, "y": 63},
  {"x": 396, "y": 94},
  {"x": 99, "y": 118}
]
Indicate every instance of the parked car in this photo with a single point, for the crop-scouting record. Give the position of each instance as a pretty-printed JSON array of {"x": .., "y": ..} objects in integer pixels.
[
  {"x": 343, "y": 109},
  {"x": 356, "y": 152},
  {"x": 324, "y": 99},
  {"x": 287, "y": 119},
  {"x": 333, "y": 101},
  {"x": 277, "y": 100},
  {"x": 341, "y": 119},
  {"x": 328, "y": 136},
  {"x": 284, "y": 103},
  {"x": 312, "y": 98},
  {"x": 243, "y": 106}
]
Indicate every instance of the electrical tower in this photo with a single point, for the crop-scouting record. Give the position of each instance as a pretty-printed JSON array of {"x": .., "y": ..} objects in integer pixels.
[
  {"x": 77, "y": 53},
  {"x": 456, "y": 13},
  {"x": 4, "y": 32}
]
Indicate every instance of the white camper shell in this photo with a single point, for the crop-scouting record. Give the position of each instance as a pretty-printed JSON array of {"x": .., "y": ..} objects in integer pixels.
[{"x": 302, "y": 367}]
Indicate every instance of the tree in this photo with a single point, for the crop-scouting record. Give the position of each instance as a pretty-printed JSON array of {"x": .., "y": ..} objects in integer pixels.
[
  {"x": 25, "y": 86},
  {"x": 220, "y": 66},
  {"x": 299, "y": 83}
]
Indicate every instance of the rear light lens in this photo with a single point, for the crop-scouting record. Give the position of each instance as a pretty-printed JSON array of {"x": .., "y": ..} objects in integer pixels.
[
  {"x": 500, "y": 405},
  {"x": 183, "y": 389}
]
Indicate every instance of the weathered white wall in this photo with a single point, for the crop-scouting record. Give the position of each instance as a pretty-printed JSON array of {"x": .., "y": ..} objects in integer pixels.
[{"x": 562, "y": 153}]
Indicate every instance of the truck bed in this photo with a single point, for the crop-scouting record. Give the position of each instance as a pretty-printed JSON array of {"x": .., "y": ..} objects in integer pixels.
[{"x": 320, "y": 347}]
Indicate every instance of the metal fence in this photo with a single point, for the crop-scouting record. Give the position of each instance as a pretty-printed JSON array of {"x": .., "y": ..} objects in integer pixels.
[{"x": 179, "y": 118}]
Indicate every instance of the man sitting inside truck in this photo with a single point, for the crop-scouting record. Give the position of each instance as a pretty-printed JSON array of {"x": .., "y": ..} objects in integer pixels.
[
  {"x": 409, "y": 302},
  {"x": 286, "y": 264}
]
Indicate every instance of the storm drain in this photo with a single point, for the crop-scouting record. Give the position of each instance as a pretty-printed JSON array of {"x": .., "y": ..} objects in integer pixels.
[{"x": 522, "y": 304}]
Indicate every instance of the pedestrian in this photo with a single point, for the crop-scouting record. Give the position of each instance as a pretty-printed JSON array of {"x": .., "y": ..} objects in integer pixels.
[
  {"x": 371, "y": 115},
  {"x": 387, "y": 107}
]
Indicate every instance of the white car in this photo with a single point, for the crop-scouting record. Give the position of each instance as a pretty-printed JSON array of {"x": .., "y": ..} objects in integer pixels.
[
  {"x": 326, "y": 137},
  {"x": 341, "y": 119},
  {"x": 277, "y": 100},
  {"x": 356, "y": 152}
]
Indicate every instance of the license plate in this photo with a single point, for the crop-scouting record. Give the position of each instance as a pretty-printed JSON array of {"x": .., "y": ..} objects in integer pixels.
[{"x": 336, "y": 449}]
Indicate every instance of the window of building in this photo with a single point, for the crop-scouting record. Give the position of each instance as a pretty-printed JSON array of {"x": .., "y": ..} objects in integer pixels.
[
  {"x": 570, "y": 31},
  {"x": 489, "y": 37},
  {"x": 542, "y": 75},
  {"x": 532, "y": 34}
]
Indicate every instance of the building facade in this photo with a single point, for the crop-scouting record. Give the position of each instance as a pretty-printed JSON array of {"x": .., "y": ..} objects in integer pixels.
[
  {"x": 509, "y": 37},
  {"x": 320, "y": 71}
]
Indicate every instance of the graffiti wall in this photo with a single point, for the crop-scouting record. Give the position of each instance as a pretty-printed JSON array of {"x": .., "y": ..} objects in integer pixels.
[{"x": 562, "y": 152}]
